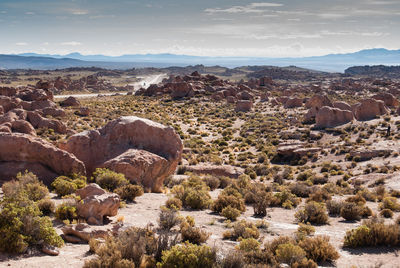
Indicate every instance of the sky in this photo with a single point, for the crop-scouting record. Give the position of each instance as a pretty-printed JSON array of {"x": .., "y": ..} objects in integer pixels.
[{"x": 281, "y": 28}]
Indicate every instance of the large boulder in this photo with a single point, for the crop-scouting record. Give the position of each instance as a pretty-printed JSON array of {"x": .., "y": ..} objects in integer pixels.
[
  {"x": 243, "y": 105},
  {"x": 369, "y": 109},
  {"x": 342, "y": 106},
  {"x": 181, "y": 90},
  {"x": 332, "y": 117},
  {"x": 387, "y": 98},
  {"x": 22, "y": 126},
  {"x": 318, "y": 101},
  {"x": 20, "y": 152},
  {"x": 38, "y": 121},
  {"x": 95, "y": 204},
  {"x": 145, "y": 151},
  {"x": 293, "y": 102},
  {"x": 70, "y": 102}
]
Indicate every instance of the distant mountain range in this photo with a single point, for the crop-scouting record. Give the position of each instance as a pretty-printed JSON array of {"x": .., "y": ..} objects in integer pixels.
[{"x": 329, "y": 63}]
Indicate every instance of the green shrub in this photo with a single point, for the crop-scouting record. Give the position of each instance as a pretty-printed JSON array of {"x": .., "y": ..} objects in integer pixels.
[
  {"x": 188, "y": 255},
  {"x": 261, "y": 203},
  {"x": 193, "y": 193},
  {"x": 230, "y": 213},
  {"x": 66, "y": 211},
  {"x": 372, "y": 233},
  {"x": 290, "y": 253},
  {"x": 129, "y": 192},
  {"x": 319, "y": 249},
  {"x": 242, "y": 229},
  {"x": 174, "y": 203},
  {"x": 108, "y": 179},
  {"x": 21, "y": 225},
  {"x": 46, "y": 206},
  {"x": 131, "y": 248},
  {"x": 212, "y": 182},
  {"x": 224, "y": 200},
  {"x": 390, "y": 203},
  {"x": 28, "y": 184},
  {"x": 249, "y": 244},
  {"x": 313, "y": 212},
  {"x": 64, "y": 186},
  {"x": 351, "y": 211},
  {"x": 192, "y": 234}
]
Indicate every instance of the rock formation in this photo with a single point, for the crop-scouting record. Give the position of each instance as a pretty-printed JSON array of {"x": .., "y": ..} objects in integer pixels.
[
  {"x": 332, "y": 117},
  {"x": 145, "y": 151}
]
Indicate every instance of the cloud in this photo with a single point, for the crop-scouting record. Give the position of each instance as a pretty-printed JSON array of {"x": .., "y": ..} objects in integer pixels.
[
  {"x": 29, "y": 13},
  {"x": 251, "y": 8},
  {"x": 21, "y": 44},
  {"x": 71, "y": 43},
  {"x": 79, "y": 12}
]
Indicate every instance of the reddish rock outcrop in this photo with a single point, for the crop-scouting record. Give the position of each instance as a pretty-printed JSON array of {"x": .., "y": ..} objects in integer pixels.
[
  {"x": 369, "y": 109},
  {"x": 145, "y": 151},
  {"x": 70, "y": 102},
  {"x": 318, "y": 101},
  {"x": 38, "y": 121},
  {"x": 332, "y": 117},
  {"x": 293, "y": 102},
  {"x": 342, "y": 106},
  {"x": 181, "y": 90},
  {"x": 243, "y": 105},
  {"x": 387, "y": 98},
  {"x": 20, "y": 152},
  {"x": 95, "y": 204}
]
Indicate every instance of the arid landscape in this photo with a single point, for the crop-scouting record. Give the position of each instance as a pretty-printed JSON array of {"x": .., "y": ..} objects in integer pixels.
[
  {"x": 302, "y": 169},
  {"x": 199, "y": 134}
]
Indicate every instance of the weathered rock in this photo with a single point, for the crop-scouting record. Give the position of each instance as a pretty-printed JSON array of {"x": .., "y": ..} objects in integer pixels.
[
  {"x": 38, "y": 121},
  {"x": 293, "y": 102},
  {"x": 223, "y": 170},
  {"x": 50, "y": 250},
  {"x": 1, "y": 110},
  {"x": 20, "y": 152},
  {"x": 145, "y": 151},
  {"x": 9, "y": 103},
  {"x": 369, "y": 109},
  {"x": 181, "y": 90},
  {"x": 332, "y": 117},
  {"x": 22, "y": 126},
  {"x": 342, "y": 106},
  {"x": 243, "y": 105},
  {"x": 89, "y": 190},
  {"x": 83, "y": 111},
  {"x": 85, "y": 232},
  {"x": 70, "y": 102},
  {"x": 55, "y": 112},
  {"x": 387, "y": 98},
  {"x": 318, "y": 101},
  {"x": 94, "y": 206},
  {"x": 368, "y": 154},
  {"x": 244, "y": 95},
  {"x": 231, "y": 99}
]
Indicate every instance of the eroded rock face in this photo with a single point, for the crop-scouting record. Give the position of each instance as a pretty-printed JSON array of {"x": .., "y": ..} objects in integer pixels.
[
  {"x": 342, "y": 105},
  {"x": 318, "y": 101},
  {"x": 243, "y": 105},
  {"x": 70, "y": 102},
  {"x": 293, "y": 102},
  {"x": 387, "y": 98},
  {"x": 145, "y": 151},
  {"x": 20, "y": 152},
  {"x": 38, "y": 121},
  {"x": 332, "y": 117},
  {"x": 95, "y": 204},
  {"x": 369, "y": 109}
]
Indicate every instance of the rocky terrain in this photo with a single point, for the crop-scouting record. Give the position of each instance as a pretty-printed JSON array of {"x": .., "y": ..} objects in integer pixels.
[{"x": 270, "y": 168}]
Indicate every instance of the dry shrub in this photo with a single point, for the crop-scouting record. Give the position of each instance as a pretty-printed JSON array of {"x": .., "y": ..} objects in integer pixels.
[
  {"x": 27, "y": 184},
  {"x": 319, "y": 249},
  {"x": 313, "y": 212},
  {"x": 289, "y": 253},
  {"x": 371, "y": 234},
  {"x": 230, "y": 213},
  {"x": 351, "y": 211},
  {"x": 192, "y": 234},
  {"x": 334, "y": 207},
  {"x": 173, "y": 203},
  {"x": 242, "y": 229},
  {"x": 129, "y": 192},
  {"x": 167, "y": 219}
]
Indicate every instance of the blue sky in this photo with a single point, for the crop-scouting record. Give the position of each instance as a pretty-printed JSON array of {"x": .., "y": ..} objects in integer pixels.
[{"x": 214, "y": 28}]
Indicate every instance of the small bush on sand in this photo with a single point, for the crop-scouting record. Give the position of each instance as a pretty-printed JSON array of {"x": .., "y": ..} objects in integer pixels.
[
  {"x": 173, "y": 203},
  {"x": 46, "y": 206},
  {"x": 289, "y": 253},
  {"x": 249, "y": 244},
  {"x": 188, "y": 255},
  {"x": 242, "y": 229},
  {"x": 313, "y": 212},
  {"x": 319, "y": 249},
  {"x": 28, "y": 184},
  {"x": 351, "y": 211},
  {"x": 66, "y": 211},
  {"x": 192, "y": 234},
  {"x": 68, "y": 185},
  {"x": 373, "y": 233},
  {"x": 129, "y": 192},
  {"x": 193, "y": 193},
  {"x": 230, "y": 213}
]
